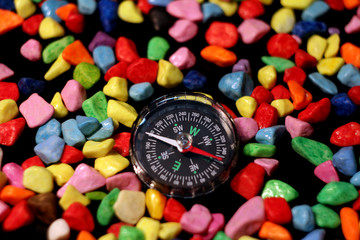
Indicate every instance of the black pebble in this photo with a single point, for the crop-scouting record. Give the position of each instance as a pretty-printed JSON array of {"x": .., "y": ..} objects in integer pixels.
[{"x": 160, "y": 19}]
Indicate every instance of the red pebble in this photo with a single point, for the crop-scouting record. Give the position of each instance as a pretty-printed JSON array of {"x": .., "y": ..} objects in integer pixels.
[
  {"x": 9, "y": 90},
  {"x": 173, "y": 210},
  {"x": 19, "y": 216},
  {"x": 142, "y": 70},
  {"x": 122, "y": 143},
  {"x": 282, "y": 45},
  {"x": 79, "y": 217},
  {"x": 295, "y": 73},
  {"x": 356, "y": 204},
  {"x": 248, "y": 181},
  {"x": 250, "y": 9},
  {"x": 261, "y": 95},
  {"x": 75, "y": 22},
  {"x": 346, "y": 135},
  {"x": 144, "y": 6},
  {"x": 228, "y": 110},
  {"x": 33, "y": 161},
  {"x": 336, "y": 4},
  {"x": 125, "y": 50},
  {"x": 354, "y": 94},
  {"x": 31, "y": 25},
  {"x": 277, "y": 210},
  {"x": 280, "y": 92},
  {"x": 11, "y": 131},
  {"x": 116, "y": 227},
  {"x": 266, "y": 115},
  {"x": 304, "y": 60},
  {"x": 222, "y": 34},
  {"x": 118, "y": 70},
  {"x": 71, "y": 155},
  {"x": 196, "y": 237},
  {"x": 316, "y": 112}
]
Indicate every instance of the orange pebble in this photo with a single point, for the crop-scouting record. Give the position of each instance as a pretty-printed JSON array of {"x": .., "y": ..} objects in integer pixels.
[
  {"x": 351, "y": 54},
  {"x": 64, "y": 11},
  {"x": 9, "y": 20},
  {"x": 85, "y": 235},
  {"x": 351, "y": 4},
  {"x": 76, "y": 53},
  {"x": 349, "y": 223},
  {"x": 299, "y": 95},
  {"x": 219, "y": 56},
  {"x": 274, "y": 231},
  {"x": 13, "y": 195}
]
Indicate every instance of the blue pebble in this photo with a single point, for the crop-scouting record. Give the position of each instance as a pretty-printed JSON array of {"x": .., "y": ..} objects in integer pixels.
[
  {"x": 52, "y": 127},
  {"x": 159, "y": 3},
  {"x": 211, "y": 10},
  {"x": 29, "y": 86},
  {"x": 194, "y": 80},
  {"x": 108, "y": 14},
  {"x": 317, "y": 234},
  {"x": 49, "y": 7},
  {"x": 7, "y": 5},
  {"x": 344, "y": 161},
  {"x": 86, "y": 7},
  {"x": 303, "y": 28},
  {"x": 303, "y": 218},
  {"x": 72, "y": 134},
  {"x": 343, "y": 105},
  {"x": 349, "y": 75},
  {"x": 355, "y": 179},
  {"x": 104, "y": 57},
  {"x": 323, "y": 83},
  {"x": 87, "y": 125},
  {"x": 141, "y": 91},
  {"x": 106, "y": 130},
  {"x": 235, "y": 85},
  {"x": 315, "y": 10},
  {"x": 50, "y": 150},
  {"x": 270, "y": 135}
]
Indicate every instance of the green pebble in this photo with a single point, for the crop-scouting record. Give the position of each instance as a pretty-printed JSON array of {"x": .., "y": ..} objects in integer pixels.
[
  {"x": 220, "y": 235},
  {"x": 277, "y": 188},
  {"x": 96, "y": 106},
  {"x": 130, "y": 233},
  {"x": 95, "y": 195},
  {"x": 279, "y": 63},
  {"x": 325, "y": 217},
  {"x": 86, "y": 74},
  {"x": 157, "y": 48},
  {"x": 315, "y": 152},
  {"x": 54, "y": 49},
  {"x": 259, "y": 150},
  {"x": 337, "y": 193},
  {"x": 105, "y": 211}
]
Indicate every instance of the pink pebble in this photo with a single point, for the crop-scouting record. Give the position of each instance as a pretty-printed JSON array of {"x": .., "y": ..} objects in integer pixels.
[
  {"x": 197, "y": 220},
  {"x": 358, "y": 11},
  {"x": 297, "y": 127},
  {"x": 5, "y": 72},
  {"x": 217, "y": 224},
  {"x": 183, "y": 58},
  {"x": 84, "y": 179},
  {"x": 246, "y": 128},
  {"x": 326, "y": 172},
  {"x": 353, "y": 26},
  {"x": 4, "y": 210},
  {"x": 73, "y": 94},
  {"x": 269, "y": 164},
  {"x": 252, "y": 30},
  {"x": 247, "y": 220},
  {"x": 185, "y": 9},
  {"x": 14, "y": 173},
  {"x": 36, "y": 110},
  {"x": 297, "y": 39},
  {"x": 123, "y": 181},
  {"x": 31, "y": 50},
  {"x": 183, "y": 30}
]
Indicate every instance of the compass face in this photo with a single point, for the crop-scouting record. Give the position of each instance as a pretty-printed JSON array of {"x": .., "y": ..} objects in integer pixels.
[{"x": 184, "y": 147}]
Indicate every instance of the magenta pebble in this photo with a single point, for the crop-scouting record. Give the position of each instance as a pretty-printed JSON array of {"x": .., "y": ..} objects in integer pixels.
[{"x": 14, "y": 173}]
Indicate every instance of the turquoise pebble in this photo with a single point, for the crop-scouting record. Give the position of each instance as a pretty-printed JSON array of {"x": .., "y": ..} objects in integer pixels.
[
  {"x": 317, "y": 234},
  {"x": 323, "y": 83},
  {"x": 159, "y": 3},
  {"x": 87, "y": 125},
  {"x": 270, "y": 135},
  {"x": 86, "y": 7},
  {"x": 104, "y": 57},
  {"x": 344, "y": 161},
  {"x": 194, "y": 80},
  {"x": 343, "y": 105},
  {"x": 235, "y": 85},
  {"x": 141, "y": 91},
  {"x": 72, "y": 134},
  {"x": 105, "y": 211},
  {"x": 211, "y": 10},
  {"x": 349, "y": 75},
  {"x": 106, "y": 130},
  {"x": 29, "y": 86},
  {"x": 48, "y": 8},
  {"x": 305, "y": 28},
  {"x": 315, "y": 10},
  {"x": 355, "y": 179},
  {"x": 303, "y": 218},
  {"x": 52, "y": 127},
  {"x": 50, "y": 150}
]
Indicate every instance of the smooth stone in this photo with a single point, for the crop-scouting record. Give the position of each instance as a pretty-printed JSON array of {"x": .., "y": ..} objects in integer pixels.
[
  {"x": 185, "y": 9},
  {"x": 96, "y": 106},
  {"x": 155, "y": 203},
  {"x": 111, "y": 164},
  {"x": 3, "y": 178},
  {"x": 169, "y": 230},
  {"x": 196, "y": 220},
  {"x": 246, "y": 128},
  {"x": 315, "y": 10},
  {"x": 159, "y": 3},
  {"x": 304, "y": 28},
  {"x": 283, "y": 20},
  {"x": 31, "y": 50},
  {"x": 44, "y": 206},
  {"x": 79, "y": 217},
  {"x": 105, "y": 212},
  {"x": 183, "y": 30},
  {"x": 337, "y": 193},
  {"x": 217, "y": 223},
  {"x": 235, "y": 85},
  {"x": 329, "y": 66},
  {"x": 49, "y": 7},
  {"x": 117, "y": 88},
  {"x": 59, "y": 229},
  {"x": 194, "y": 80},
  {"x": 326, "y": 172},
  {"x": 243, "y": 65},
  {"x": 317, "y": 234},
  {"x": 129, "y": 12},
  {"x": 50, "y": 150},
  {"x": 129, "y": 232},
  {"x": 72, "y": 134},
  {"x": 130, "y": 206},
  {"x": 108, "y": 14},
  {"x": 334, "y": 30},
  {"x": 325, "y": 217},
  {"x": 86, "y": 7},
  {"x": 52, "y": 51},
  {"x": 38, "y": 179},
  {"x": 315, "y": 152},
  {"x": 269, "y": 164},
  {"x": 344, "y": 161},
  {"x": 294, "y": 4},
  {"x": 333, "y": 47},
  {"x": 141, "y": 91},
  {"x": 122, "y": 112},
  {"x": 303, "y": 218},
  {"x": 349, "y": 75},
  {"x": 220, "y": 235},
  {"x": 14, "y": 174},
  {"x": 86, "y": 74},
  {"x": 270, "y": 135},
  {"x": 104, "y": 57},
  {"x": 8, "y": 5},
  {"x": 353, "y": 26},
  {"x": 229, "y": 7},
  {"x": 124, "y": 181},
  {"x": 29, "y": 86},
  {"x": 106, "y": 130},
  {"x": 5, "y": 72},
  {"x": 211, "y": 10},
  {"x": 157, "y": 48},
  {"x": 87, "y": 125},
  {"x": 93, "y": 149},
  {"x": 169, "y": 76},
  {"x": 259, "y": 150},
  {"x": 252, "y": 30},
  {"x": 73, "y": 94},
  {"x": 343, "y": 105},
  {"x": 280, "y": 64},
  {"x": 100, "y": 38},
  {"x": 355, "y": 179},
  {"x": 61, "y": 172},
  {"x": 150, "y": 227},
  {"x": 325, "y": 85},
  {"x": 72, "y": 195},
  {"x": 161, "y": 20},
  {"x": 277, "y": 188},
  {"x": 60, "y": 110},
  {"x": 59, "y": 67},
  {"x": 297, "y": 127},
  {"x": 8, "y": 110},
  {"x": 95, "y": 195},
  {"x": 52, "y": 127},
  {"x": 50, "y": 28}
]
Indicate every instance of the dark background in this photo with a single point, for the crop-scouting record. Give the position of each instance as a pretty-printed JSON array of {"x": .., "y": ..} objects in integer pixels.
[{"x": 293, "y": 169}]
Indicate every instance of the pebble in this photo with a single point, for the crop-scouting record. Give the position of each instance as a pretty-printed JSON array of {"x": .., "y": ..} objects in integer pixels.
[
  {"x": 183, "y": 30},
  {"x": 355, "y": 179},
  {"x": 344, "y": 161},
  {"x": 24, "y": 8},
  {"x": 29, "y": 86},
  {"x": 38, "y": 179},
  {"x": 19, "y": 216},
  {"x": 337, "y": 193},
  {"x": 243, "y": 65},
  {"x": 72, "y": 195},
  {"x": 130, "y": 206},
  {"x": 316, "y": 46},
  {"x": 330, "y": 66},
  {"x": 93, "y": 149},
  {"x": 106, "y": 130},
  {"x": 326, "y": 172},
  {"x": 305, "y": 28},
  {"x": 61, "y": 172},
  {"x": 222, "y": 34},
  {"x": 129, "y": 12},
  {"x": 349, "y": 75},
  {"x": 333, "y": 46},
  {"x": 96, "y": 106},
  {"x": 129, "y": 232},
  {"x": 283, "y": 20},
  {"x": 13, "y": 20},
  {"x": 317, "y": 234},
  {"x": 50, "y": 28},
  {"x": 349, "y": 223},
  {"x": 278, "y": 188},
  {"x": 33, "y": 161},
  {"x": 303, "y": 218},
  {"x": 252, "y": 30},
  {"x": 76, "y": 53},
  {"x": 86, "y": 74},
  {"x": 325, "y": 85},
  {"x": 79, "y": 217},
  {"x": 246, "y": 128},
  {"x": 11, "y": 131},
  {"x": 259, "y": 150},
  {"x": 64, "y": 11},
  {"x": 349, "y": 53},
  {"x": 183, "y": 58},
  {"x": 169, "y": 76},
  {"x": 111, "y": 164},
  {"x": 266, "y": 116},
  {"x": 314, "y": 11},
  {"x": 44, "y": 207},
  {"x": 86, "y": 7},
  {"x": 72, "y": 134},
  {"x": 155, "y": 203},
  {"x": 50, "y": 150},
  {"x": 282, "y": 45},
  {"x": 325, "y": 217},
  {"x": 235, "y": 85},
  {"x": 261, "y": 94},
  {"x": 194, "y": 80},
  {"x": 250, "y": 9},
  {"x": 284, "y": 107},
  {"x": 316, "y": 154},
  {"x": 5, "y": 72},
  {"x": 185, "y": 9},
  {"x": 122, "y": 143},
  {"x": 169, "y": 230},
  {"x": 49, "y": 9},
  {"x": 117, "y": 70},
  {"x": 9, "y": 90},
  {"x": 159, "y": 17},
  {"x": 150, "y": 227},
  {"x": 267, "y": 76},
  {"x": 246, "y": 106},
  {"x": 3, "y": 178},
  {"x": 95, "y": 195},
  {"x": 269, "y": 164},
  {"x": 270, "y": 230},
  {"x": 343, "y": 105},
  {"x": 141, "y": 91},
  {"x": 104, "y": 57},
  {"x": 108, "y": 14},
  {"x": 8, "y": 110},
  {"x": 59, "y": 229},
  {"x": 280, "y": 64},
  {"x": 229, "y": 8},
  {"x": 125, "y": 50},
  {"x": 220, "y": 235},
  {"x": 304, "y": 60},
  {"x": 346, "y": 135},
  {"x": 57, "y": 68},
  {"x": 210, "y": 11},
  {"x": 334, "y": 30},
  {"x": 121, "y": 112},
  {"x": 101, "y": 38},
  {"x": 123, "y": 181},
  {"x": 316, "y": 111},
  {"x": 219, "y": 56},
  {"x": 31, "y": 50},
  {"x": 353, "y": 25},
  {"x": 7, "y": 5},
  {"x": 105, "y": 212},
  {"x": 295, "y": 73},
  {"x": 13, "y": 195},
  {"x": 87, "y": 125},
  {"x": 75, "y": 22},
  {"x": 142, "y": 70},
  {"x": 173, "y": 210},
  {"x": 300, "y": 96},
  {"x": 157, "y": 47},
  {"x": 52, "y": 127},
  {"x": 196, "y": 220},
  {"x": 60, "y": 110},
  {"x": 295, "y": 4},
  {"x": 270, "y": 135}
]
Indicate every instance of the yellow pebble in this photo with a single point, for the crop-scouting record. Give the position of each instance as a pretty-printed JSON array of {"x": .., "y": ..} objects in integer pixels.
[
  {"x": 283, "y": 106},
  {"x": 246, "y": 106},
  {"x": 150, "y": 227},
  {"x": 229, "y": 7},
  {"x": 169, "y": 75},
  {"x": 109, "y": 236},
  {"x": 266, "y": 2},
  {"x": 267, "y": 76},
  {"x": 116, "y": 124},
  {"x": 333, "y": 44},
  {"x": 129, "y": 12},
  {"x": 57, "y": 68},
  {"x": 130, "y": 206},
  {"x": 111, "y": 164},
  {"x": 155, "y": 203},
  {"x": 72, "y": 195},
  {"x": 24, "y": 8},
  {"x": 60, "y": 110},
  {"x": 329, "y": 66},
  {"x": 117, "y": 88},
  {"x": 62, "y": 172},
  {"x": 122, "y": 112},
  {"x": 247, "y": 238},
  {"x": 200, "y": 1},
  {"x": 8, "y": 110},
  {"x": 38, "y": 179},
  {"x": 316, "y": 46},
  {"x": 169, "y": 230},
  {"x": 283, "y": 20},
  {"x": 296, "y": 4},
  {"x": 94, "y": 149},
  {"x": 49, "y": 28}
]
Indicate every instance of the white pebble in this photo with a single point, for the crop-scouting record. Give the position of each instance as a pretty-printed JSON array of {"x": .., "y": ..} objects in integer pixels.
[{"x": 58, "y": 230}]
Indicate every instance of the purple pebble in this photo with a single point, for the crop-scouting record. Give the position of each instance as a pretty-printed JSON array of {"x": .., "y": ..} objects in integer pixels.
[
  {"x": 243, "y": 65},
  {"x": 333, "y": 30},
  {"x": 101, "y": 38}
]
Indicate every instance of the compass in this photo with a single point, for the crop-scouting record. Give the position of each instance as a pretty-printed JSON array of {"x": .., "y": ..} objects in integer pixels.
[{"x": 184, "y": 145}]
